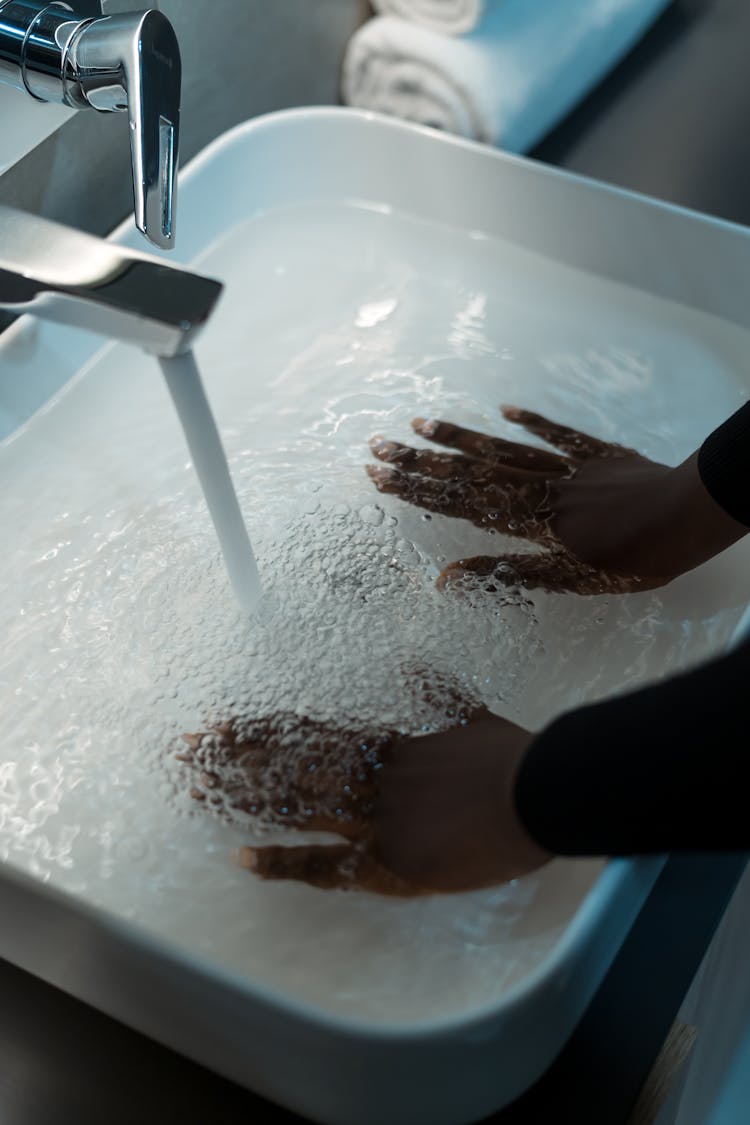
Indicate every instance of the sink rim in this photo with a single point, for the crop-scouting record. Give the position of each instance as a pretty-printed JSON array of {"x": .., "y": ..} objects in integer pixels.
[
  {"x": 597, "y": 900},
  {"x": 558, "y": 975}
]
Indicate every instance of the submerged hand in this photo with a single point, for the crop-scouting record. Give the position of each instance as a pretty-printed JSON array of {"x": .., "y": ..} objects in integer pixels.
[
  {"x": 445, "y": 818},
  {"x": 290, "y": 772},
  {"x": 610, "y": 520},
  {"x": 414, "y": 816}
]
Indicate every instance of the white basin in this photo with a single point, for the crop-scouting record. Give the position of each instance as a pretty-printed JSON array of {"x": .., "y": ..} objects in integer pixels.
[{"x": 374, "y": 271}]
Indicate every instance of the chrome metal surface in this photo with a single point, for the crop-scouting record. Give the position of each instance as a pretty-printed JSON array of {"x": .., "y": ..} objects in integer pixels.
[
  {"x": 132, "y": 62},
  {"x": 128, "y": 63},
  {"x": 46, "y": 38},
  {"x": 63, "y": 275}
]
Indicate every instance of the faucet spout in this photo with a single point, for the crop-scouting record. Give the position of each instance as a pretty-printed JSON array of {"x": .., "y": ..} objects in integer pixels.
[
  {"x": 73, "y": 278},
  {"x": 128, "y": 63}
]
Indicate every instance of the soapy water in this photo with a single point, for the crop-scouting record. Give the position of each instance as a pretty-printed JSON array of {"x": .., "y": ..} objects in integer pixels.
[{"x": 122, "y": 634}]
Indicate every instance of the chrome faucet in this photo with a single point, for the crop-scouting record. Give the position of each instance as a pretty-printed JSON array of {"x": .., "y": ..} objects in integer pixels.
[
  {"x": 63, "y": 275},
  {"x": 128, "y": 62}
]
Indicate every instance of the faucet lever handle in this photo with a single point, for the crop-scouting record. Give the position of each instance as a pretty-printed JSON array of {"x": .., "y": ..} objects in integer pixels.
[{"x": 132, "y": 61}]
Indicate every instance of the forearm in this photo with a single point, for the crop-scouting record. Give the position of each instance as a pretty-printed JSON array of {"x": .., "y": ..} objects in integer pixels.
[{"x": 662, "y": 769}]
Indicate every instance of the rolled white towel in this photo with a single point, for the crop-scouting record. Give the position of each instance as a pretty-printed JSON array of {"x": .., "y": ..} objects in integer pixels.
[
  {"x": 451, "y": 17},
  {"x": 509, "y": 82}
]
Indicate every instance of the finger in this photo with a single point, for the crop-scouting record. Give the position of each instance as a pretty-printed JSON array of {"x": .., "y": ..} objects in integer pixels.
[
  {"x": 441, "y": 466},
  {"x": 326, "y": 866},
  {"x": 555, "y": 571},
  {"x": 454, "y": 467},
  {"x": 574, "y": 443},
  {"x": 293, "y": 811},
  {"x": 335, "y": 797},
  {"x": 445, "y": 498},
  {"x": 321, "y": 865},
  {"x": 487, "y": 448},
  {"x": 518, "y": 510}
]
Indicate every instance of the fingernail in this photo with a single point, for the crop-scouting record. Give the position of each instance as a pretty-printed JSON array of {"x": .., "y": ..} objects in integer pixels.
[
  {"x": 512, "y": 413},
  {"x": 379, "y": 474},
  {"x": 383, "y": 447},
  {"x": 427, "y": 427}
]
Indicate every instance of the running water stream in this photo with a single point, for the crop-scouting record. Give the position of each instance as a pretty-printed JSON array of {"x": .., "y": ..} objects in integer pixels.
[{"x": 204, "y": 442}]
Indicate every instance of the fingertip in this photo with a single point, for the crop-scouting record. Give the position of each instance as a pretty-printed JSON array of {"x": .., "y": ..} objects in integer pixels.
[
  {"x": 425, "y": 427},
  {"x": 449, "y": 575},
  {"x": 247, "y": 858},
  {"x": 388, "y": 450},
  {"x": 380, "y": 475},
  {"x": 381, "y": 447},
  {"x": 512, "y": 413}
]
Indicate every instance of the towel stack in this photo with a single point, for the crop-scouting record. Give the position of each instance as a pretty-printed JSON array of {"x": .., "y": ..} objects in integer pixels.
[{"x": 500, "y": 71}]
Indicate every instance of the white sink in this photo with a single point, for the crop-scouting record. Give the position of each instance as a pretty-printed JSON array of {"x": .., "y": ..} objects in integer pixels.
[{"x": 374, "y": 271}]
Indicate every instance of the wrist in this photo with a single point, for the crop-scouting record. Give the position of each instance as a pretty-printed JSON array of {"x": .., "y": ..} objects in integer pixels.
[
  {"x": 698, "y": 526},
  {"x": 512, "y": 807}
]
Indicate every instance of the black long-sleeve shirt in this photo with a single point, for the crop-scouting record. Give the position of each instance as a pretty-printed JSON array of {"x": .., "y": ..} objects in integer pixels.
[{"x": 666, "y": 768}]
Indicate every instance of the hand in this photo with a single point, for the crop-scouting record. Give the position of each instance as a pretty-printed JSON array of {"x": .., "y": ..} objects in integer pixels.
[
  {"x": 610, "y": 520},
  {"x": 416, "y": 815},
  {"x": 295, "y": 773},
  {"x": 445, "y": 818}
]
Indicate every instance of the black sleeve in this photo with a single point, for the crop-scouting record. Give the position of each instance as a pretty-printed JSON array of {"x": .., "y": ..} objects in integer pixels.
[
  {"x": 663, "y": 769},
  {"x": 666, "y": 768},
  {"x": 724, "y": 465}
]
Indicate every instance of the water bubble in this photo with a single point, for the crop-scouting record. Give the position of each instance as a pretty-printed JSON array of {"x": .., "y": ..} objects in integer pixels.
[
  {"x": 372, "y": 515},
  {"x": 407, "y": 552}
]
